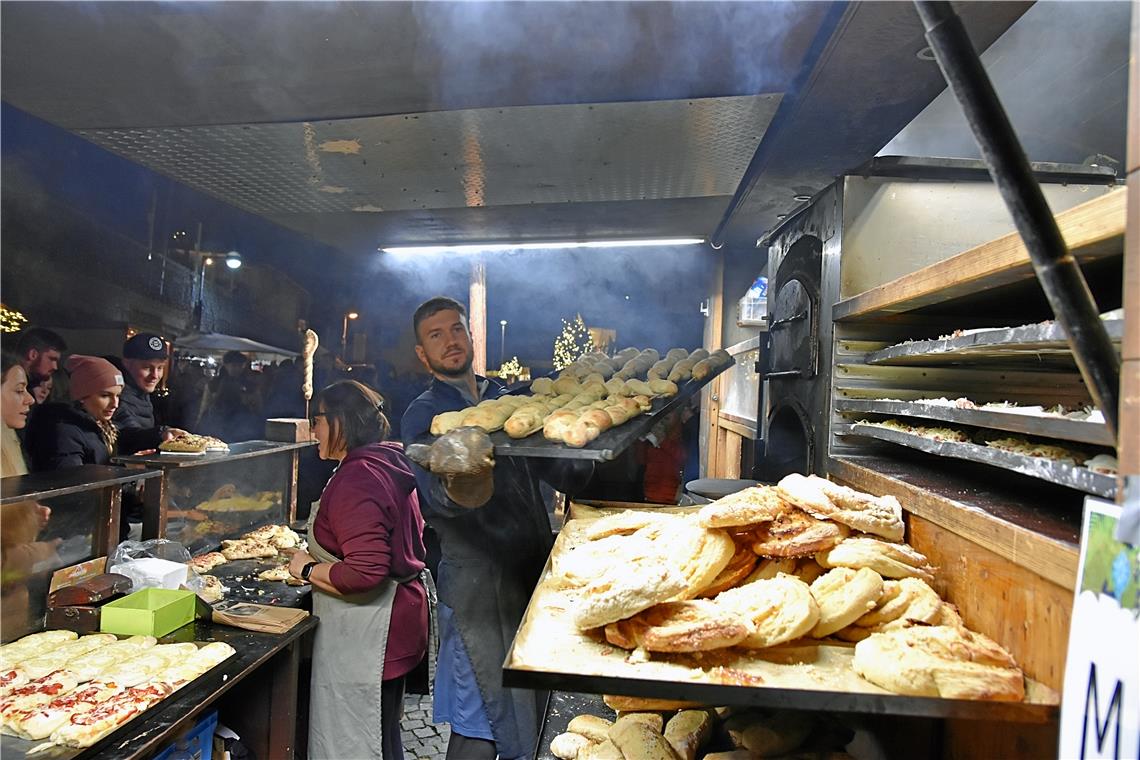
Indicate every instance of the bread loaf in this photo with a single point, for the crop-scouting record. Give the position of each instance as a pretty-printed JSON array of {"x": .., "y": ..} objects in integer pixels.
[
  {"x": 687, "y": 732},
  {"x": 638, "y": 741},
  {"x": 566, "y": 746},
  {"x": 591, "y": 726}
]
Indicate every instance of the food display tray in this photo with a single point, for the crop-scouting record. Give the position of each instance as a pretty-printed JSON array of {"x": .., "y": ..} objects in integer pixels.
[
  {"x": 242, "y": 584},
  {"x": 561, "y": 708},
  {"x": 243, "y": 450},
  {"x": 1044, "y": 342},
  {"x": 146, "y": 732},
  {"x": 549, "y": 653},
  {"x": 1080, "y": 478},
  {"x": 607, "y": 446},
  {"x": 1062, "y": 428}
]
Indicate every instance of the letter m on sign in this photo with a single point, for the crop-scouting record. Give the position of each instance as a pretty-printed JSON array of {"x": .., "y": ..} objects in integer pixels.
[{"x": 1111, "y": 716}]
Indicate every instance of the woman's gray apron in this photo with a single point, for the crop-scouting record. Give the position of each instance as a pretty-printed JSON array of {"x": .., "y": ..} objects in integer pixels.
[{"x": 348, "y": 663}]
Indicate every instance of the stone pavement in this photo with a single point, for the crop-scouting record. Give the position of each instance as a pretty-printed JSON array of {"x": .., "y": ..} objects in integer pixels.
[{"x": 423, "y": 740}]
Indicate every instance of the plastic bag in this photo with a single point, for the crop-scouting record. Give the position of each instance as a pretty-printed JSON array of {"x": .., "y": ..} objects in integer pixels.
[{"x": 156, "y": 563}]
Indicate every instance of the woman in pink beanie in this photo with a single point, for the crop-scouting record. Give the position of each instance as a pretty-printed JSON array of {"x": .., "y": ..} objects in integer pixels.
[{"x": 69, "y": 435}]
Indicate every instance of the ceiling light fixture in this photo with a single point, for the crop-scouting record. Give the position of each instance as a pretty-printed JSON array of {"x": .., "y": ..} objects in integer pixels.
[
  {"x": 554, "y": 244},
  {"x": 233, "y": 260}
]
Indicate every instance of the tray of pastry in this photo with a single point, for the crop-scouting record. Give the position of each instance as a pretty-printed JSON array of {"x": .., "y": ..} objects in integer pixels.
[
  {"x": 61, "y": 693},
  {"x": 1063, "y": 465},
  {"x": 585, "y": 415},
  {"x": 252, "y": 568},
  {"x": 1082, "y": 426},
  {"x": 757, "y": 600},
  {"x": 1044, "y": 343}
]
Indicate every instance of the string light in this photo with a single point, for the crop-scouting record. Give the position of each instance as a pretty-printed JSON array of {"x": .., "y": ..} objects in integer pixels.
[
  {"x": 11, "y": 320},
  {"x": 574, "y": 341}
]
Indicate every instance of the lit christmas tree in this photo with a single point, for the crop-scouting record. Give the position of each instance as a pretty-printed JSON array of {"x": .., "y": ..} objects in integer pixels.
[{"x": 574, "y": 341}]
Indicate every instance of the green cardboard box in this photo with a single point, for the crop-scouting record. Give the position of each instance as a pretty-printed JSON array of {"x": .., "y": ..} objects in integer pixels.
[{"x": 150, "y": 612}]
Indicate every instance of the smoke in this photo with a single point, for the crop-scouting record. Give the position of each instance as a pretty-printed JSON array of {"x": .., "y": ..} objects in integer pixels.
[
  {"x": 490, "y": 53},
  {"x": 648, "y": 296}
]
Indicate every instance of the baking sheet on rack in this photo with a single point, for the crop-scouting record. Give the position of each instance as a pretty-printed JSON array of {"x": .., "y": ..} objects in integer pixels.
[
  {"x": 606, "y": 446},
  {"x": 1080, "y": 478},
  {"x": 550, "y": 653},
  {"x": 1039, "y": 341},
  {"x": 1031, "y": 424}
]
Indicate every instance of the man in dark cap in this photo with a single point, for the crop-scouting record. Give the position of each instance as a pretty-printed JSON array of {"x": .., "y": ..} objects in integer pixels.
[{"x": 144, "y": 363}]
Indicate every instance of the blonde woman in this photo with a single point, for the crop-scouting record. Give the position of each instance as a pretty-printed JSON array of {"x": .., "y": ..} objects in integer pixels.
[
  {"x": 22, "y": 522},
  {"x": 62, "y": 436}
]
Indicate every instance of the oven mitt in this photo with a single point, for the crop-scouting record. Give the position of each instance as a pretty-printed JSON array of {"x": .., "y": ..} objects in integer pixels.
[{"x": 464, "y": 460}]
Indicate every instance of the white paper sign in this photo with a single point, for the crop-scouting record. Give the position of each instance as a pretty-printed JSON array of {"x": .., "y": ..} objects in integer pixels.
[{"x": 1100, "y": 710}]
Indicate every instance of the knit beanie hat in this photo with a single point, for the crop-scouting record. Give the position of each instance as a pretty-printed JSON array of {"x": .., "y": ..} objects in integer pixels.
[{"x": 91, "y": 374}]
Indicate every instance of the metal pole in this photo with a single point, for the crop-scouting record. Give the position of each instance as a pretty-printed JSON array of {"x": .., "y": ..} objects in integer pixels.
[
  {"x": 502, "y": 342},
  {"x": 344, "y": 339},
  {"x": 1057, "y": 270}
]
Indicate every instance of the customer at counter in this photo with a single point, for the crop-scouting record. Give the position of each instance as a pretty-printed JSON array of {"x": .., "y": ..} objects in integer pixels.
[
  {"x": 22, "y": 522},
  {"x": 61, "y": 436},
  {"x": 495, "y": 536},
  {"x": 145, "y": 357},
  {"x": 366, "y": 555},
  {"x": 39, "y": 351}
]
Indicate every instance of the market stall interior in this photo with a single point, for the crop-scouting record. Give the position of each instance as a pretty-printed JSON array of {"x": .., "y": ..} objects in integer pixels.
[{"x": 908, "y": 316}]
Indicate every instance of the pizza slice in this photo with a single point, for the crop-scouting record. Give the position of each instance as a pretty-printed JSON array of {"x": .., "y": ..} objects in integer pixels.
[
  {"x": 41, "y": 722},
  {"x": 33, "y": 695},
  {"x": 86, "y": 728},
  {"x": 33, "y": 645},
  {"x": 10, "y": 679},
  {"x": 59, "y": 657}
]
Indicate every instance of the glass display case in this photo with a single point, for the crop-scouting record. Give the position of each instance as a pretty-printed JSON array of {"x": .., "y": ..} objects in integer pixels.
[
  {"x": 201, "y": 499},
  {"x": 51, "y": 520}
]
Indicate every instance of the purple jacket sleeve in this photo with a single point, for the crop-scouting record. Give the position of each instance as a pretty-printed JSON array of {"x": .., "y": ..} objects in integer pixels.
[{"x": 360, "y": 525}]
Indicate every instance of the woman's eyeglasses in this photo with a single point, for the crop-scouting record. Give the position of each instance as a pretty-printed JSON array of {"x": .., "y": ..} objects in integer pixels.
[{"x": 313, "y": 418}]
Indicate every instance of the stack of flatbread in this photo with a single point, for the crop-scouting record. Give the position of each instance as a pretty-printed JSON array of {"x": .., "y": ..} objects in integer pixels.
[
  {"x": 76, "y": 690},
  {"x": 806, "y": 559},
  {"x": 189, "y": 443},
  {"x": 589, "y": 397}
]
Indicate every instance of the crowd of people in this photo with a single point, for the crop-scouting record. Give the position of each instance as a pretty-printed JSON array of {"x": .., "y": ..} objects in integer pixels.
[{"x": 366, "y": 556}]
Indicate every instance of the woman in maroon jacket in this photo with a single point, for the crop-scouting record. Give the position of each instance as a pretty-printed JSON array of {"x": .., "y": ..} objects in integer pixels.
[{"x": 366, "y": 554}]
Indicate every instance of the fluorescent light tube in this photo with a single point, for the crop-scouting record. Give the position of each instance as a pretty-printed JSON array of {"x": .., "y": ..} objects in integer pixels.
[{"x": 491, "y": 247}]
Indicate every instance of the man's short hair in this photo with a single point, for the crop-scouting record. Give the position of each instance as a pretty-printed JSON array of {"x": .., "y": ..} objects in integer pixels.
[
  {"x": 40, "y": 339},
  {"x": 434, "y": 306}
]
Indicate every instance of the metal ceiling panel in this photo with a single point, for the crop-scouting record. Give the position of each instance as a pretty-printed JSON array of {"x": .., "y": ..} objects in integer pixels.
[
  {"x": 606, "y": 152},
  {"x": 86, "y": 65}
]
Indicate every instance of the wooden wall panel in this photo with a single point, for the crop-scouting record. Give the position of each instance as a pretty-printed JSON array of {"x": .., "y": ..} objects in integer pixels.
[{"x": 1026, "y": 614}]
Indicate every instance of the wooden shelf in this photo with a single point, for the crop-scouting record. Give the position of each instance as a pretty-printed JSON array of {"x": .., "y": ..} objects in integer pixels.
[
  {"x": 1031, "y": 527},
  {"x": 1093, "y": 230}
]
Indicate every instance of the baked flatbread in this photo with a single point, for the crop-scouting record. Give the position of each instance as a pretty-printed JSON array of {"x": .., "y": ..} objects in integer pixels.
[
  {"x": 204, "y": 563},
  {"x": 33, "y": 645},
  {"x": 939, "y": 662},
  {"x": 246, "y": 548}
]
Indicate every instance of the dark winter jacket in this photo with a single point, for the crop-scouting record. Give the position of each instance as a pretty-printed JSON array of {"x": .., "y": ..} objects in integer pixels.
[
  {"x": 60, "y": 436},
  {"x": 135, "y": 419}
]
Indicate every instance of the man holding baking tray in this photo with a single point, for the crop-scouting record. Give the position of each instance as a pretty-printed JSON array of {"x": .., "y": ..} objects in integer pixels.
[{"x": 494, "y": 534}]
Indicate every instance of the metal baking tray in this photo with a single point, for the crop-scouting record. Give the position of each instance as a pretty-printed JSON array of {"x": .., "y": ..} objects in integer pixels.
[
  {"x": 607, "y": 446},
  {"x": 1080, "y": 478},
  {"x": 1039, "y": 425},
  {"x": 1041, "y": 342},
  {"x": 549, "y": 653},
  {"x": 242, "y": 584}
]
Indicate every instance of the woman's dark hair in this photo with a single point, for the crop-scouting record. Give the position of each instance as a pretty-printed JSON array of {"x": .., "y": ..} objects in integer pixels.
[
  {"x": 8, "y": 359},
  {"x": 355, "y": 415}
]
